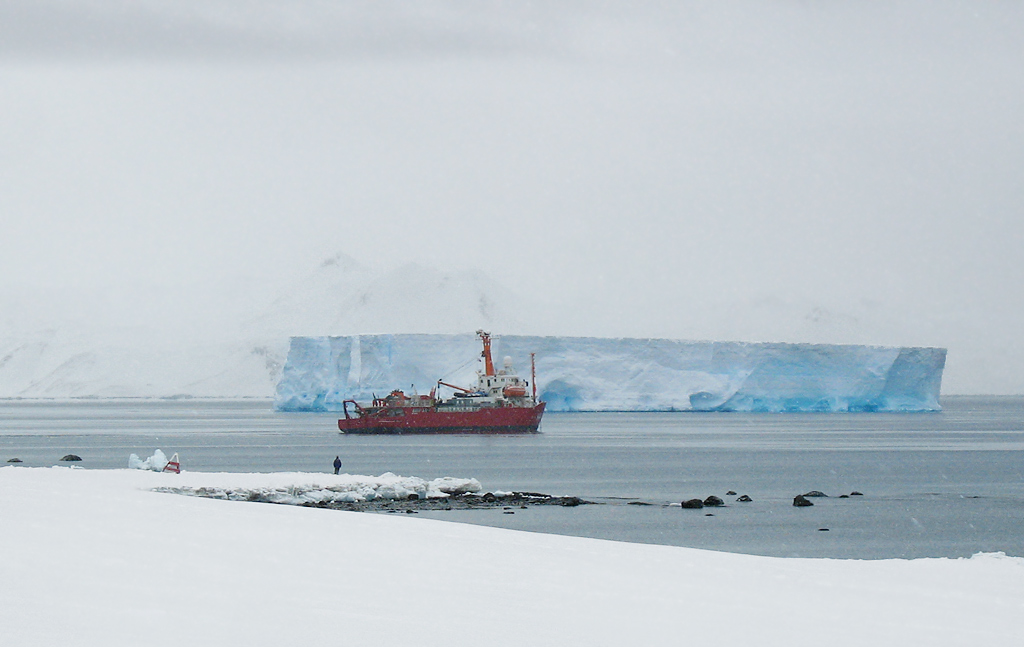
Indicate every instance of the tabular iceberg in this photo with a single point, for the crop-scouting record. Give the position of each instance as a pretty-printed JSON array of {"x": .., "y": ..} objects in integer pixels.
[{"x": 597, "y": 374}]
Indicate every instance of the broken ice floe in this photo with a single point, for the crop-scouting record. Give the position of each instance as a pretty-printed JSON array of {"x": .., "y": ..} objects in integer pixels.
[{"x": 157, "y": 462}]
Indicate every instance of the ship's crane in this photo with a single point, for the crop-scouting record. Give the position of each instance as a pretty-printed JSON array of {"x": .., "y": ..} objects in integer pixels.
[
  {"x": 457, "y": 388},
  {"x": 485, "y": 337}
]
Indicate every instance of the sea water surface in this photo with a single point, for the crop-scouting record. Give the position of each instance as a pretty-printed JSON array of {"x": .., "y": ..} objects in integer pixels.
[{"x": 946, "y": 484}]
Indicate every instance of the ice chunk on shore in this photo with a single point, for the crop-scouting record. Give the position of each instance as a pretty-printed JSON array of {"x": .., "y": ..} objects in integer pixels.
[
  {"x": 597, "y": 374},
  {"x": 156, "y": 462}
]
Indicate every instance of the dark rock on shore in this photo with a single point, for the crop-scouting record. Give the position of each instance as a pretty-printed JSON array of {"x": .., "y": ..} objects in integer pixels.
[
  {"x": 71, "y": 457},
  {"x": 693, "y": 503},
  {"x": 801, "y": 501},
  {"x": 744, "y": 499},
  {"x": 409, "y": 504},
  {"x": 453, "y": 502},
  {"x": 814, "y": 493},
  {"x": 713, "y": 501}
]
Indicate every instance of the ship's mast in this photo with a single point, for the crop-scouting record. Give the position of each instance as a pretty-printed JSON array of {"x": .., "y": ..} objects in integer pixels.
[
  {"x": 533, "y": 375},
  {"x": 485, "y": 337}
]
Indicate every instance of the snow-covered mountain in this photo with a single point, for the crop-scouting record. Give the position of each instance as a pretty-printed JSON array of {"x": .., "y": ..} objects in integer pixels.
[
  {"x": 346, "y": 297},
  {"x": 237, "y": 344}
]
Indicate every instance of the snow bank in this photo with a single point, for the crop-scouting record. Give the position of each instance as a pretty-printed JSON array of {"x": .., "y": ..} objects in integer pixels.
[
  {"x": 596, "y": 374},
  {"x": 73, "y": 544}
]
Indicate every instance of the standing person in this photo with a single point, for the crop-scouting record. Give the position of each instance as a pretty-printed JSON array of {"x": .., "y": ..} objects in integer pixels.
[{"x": 337, "y": 464}]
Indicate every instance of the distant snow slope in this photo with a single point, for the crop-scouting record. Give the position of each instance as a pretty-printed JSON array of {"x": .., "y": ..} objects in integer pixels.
[
  {"x": 61, "y": 364},
  {"x": 238, "y": 347},
  {"x": 92, "y": 557},
  {"x": 594, "y": 374}
]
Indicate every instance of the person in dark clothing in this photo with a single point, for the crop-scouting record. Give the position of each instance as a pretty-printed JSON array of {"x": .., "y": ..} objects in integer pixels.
[{"x": 337, "y": 464}]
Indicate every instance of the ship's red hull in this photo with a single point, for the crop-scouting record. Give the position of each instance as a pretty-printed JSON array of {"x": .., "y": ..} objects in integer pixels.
[{"x": 491, "y": 420}]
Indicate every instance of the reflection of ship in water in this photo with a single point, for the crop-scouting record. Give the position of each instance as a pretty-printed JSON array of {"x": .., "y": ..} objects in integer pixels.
[{"x": 501, "y": 403}]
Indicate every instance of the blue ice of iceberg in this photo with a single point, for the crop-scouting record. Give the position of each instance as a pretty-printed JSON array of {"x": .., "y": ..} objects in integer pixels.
[{"x": 598, "y": 374}]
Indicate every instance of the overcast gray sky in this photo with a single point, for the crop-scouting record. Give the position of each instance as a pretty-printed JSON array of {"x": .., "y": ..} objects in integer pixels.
[{"x": 769, "y": 171}]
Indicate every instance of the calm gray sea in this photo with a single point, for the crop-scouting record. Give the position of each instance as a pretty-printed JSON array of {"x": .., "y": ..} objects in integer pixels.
[{"x": 943, "y": 484}]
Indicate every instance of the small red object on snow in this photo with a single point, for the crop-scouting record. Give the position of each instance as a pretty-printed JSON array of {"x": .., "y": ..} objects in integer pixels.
[{"x": 173, "y": 465}]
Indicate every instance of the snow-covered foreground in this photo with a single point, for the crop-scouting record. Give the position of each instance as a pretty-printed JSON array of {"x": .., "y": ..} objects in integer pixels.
[{"x": 93, "y": 557}]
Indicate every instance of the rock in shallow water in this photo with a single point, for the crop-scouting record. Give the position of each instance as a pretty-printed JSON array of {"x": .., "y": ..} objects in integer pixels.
[
  {"x": 693, "y": 503},
  {"x": 801, "y": 501},
  {"x": 713, "y": 501},
  {"x": 71, "y": 457}
]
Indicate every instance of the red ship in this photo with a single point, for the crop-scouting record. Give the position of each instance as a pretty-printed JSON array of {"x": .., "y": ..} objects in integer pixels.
[{"x": 500, "y": 404}]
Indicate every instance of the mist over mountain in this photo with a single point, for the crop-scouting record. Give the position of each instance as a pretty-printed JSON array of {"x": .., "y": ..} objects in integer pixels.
[{"x": 342, "y": 297}]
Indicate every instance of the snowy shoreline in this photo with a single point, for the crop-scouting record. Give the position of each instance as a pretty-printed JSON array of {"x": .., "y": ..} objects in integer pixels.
[
  {"x": 89, "y": 554},
  {"x": 343, "y": 499}
]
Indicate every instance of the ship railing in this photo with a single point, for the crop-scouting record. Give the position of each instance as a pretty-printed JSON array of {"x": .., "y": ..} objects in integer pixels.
[{"x": 358, "y": 409}]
